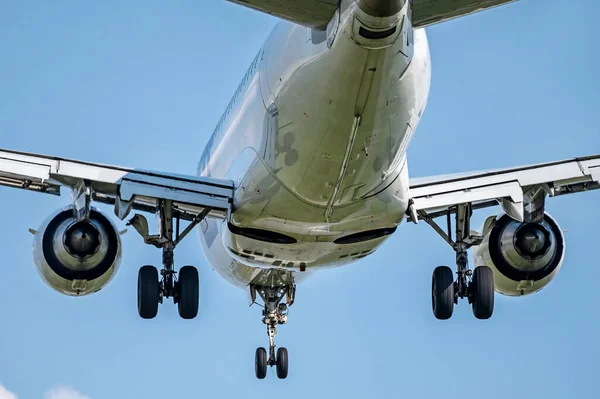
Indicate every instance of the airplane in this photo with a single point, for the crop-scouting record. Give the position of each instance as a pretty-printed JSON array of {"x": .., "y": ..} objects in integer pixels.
[{"x": 307, "y": 170}]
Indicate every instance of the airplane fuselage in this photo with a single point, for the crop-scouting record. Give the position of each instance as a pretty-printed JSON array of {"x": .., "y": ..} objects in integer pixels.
[{"x": 315, "y": 141}]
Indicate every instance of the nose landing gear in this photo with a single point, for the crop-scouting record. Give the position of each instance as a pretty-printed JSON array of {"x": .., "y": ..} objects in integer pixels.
[{"x": 274, "y": 313}]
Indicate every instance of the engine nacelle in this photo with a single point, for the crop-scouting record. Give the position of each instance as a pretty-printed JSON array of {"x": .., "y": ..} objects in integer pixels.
[
  {"x": 77, "y": 258},
  {"x": 525, "y": 257}
]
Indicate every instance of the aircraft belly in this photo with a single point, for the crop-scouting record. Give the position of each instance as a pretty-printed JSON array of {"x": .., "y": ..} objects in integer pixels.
[
  {"x": 315, "y": 97},
  {"x": 262, "y": 203},
  {"x": 320, "y": 156}
]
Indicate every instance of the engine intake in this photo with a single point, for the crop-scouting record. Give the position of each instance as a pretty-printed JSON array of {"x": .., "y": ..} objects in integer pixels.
[
  {"x": 525, "y": 257},
  {"x": 77, "y": 257}
]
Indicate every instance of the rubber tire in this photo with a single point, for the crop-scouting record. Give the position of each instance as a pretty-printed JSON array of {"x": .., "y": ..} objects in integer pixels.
[
  {"x": 260, "y": 363},
  {"x": 189, "y": 292},
  {"x": 442, "y": 292},
  {"x": 482, "y": 288},
  {"x": 148, "y": 295},
  {"x": 282, "y": 363}
]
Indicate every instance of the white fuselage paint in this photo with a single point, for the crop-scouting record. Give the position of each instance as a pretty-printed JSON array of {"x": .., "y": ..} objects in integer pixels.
[{"x": 315, "y": 140}]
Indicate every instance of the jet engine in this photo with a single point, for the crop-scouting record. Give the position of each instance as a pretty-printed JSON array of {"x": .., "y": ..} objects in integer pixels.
[
  {"x": 524, "y": 257},
  {"x": 77, "y": 257}
]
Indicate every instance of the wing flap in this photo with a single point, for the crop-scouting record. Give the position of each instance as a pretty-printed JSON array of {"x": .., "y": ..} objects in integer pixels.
[
  {"x": 125, "y": 188},
  {"x": 592, "y": 168},
  {"x": 489, "y": 188},
  {"x": 512, "y": 191},
  {"x": 14, "y": 172},
  {"x": 15, "y": 168}
]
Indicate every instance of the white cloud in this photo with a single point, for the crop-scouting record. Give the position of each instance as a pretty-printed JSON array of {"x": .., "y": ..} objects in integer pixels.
[
  {"x": 6, "y": 394},
  {"x": 61, "y": 392}
]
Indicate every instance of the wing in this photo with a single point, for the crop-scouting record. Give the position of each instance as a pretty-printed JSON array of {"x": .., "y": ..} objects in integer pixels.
[
  {"x": 428, "y": 12},
  {"x": 520, "y": 191},
  {"x": 312, "y": 13},
  {"x": 124, "y": 188},
  {"x": 317, "y": 13}
]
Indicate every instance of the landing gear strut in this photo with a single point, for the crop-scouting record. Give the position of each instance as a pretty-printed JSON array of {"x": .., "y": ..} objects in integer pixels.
[
  {"x": 152, "y": 290},
  {"x": 274, "y": 313},
  {"x": 475, "y": 285}
]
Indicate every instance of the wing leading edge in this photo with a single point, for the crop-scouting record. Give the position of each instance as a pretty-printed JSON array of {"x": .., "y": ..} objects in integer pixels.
[{"x": 124, "y": 188}]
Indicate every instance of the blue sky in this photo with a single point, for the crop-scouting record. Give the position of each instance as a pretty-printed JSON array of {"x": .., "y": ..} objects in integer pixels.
[{"x": 142, "y": 84}]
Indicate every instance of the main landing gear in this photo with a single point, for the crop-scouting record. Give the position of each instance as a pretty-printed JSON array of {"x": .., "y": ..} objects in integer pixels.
[
  {"x": 274, "y": 313},
  {"x": 475, "y": 285},
  {"x": 152, "y": 289}
]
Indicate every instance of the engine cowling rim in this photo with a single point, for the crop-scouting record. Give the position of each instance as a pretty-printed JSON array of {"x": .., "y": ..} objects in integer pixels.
[
  {"x": 67, "y": 273},
  {"x": 511, "y": 272}
]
